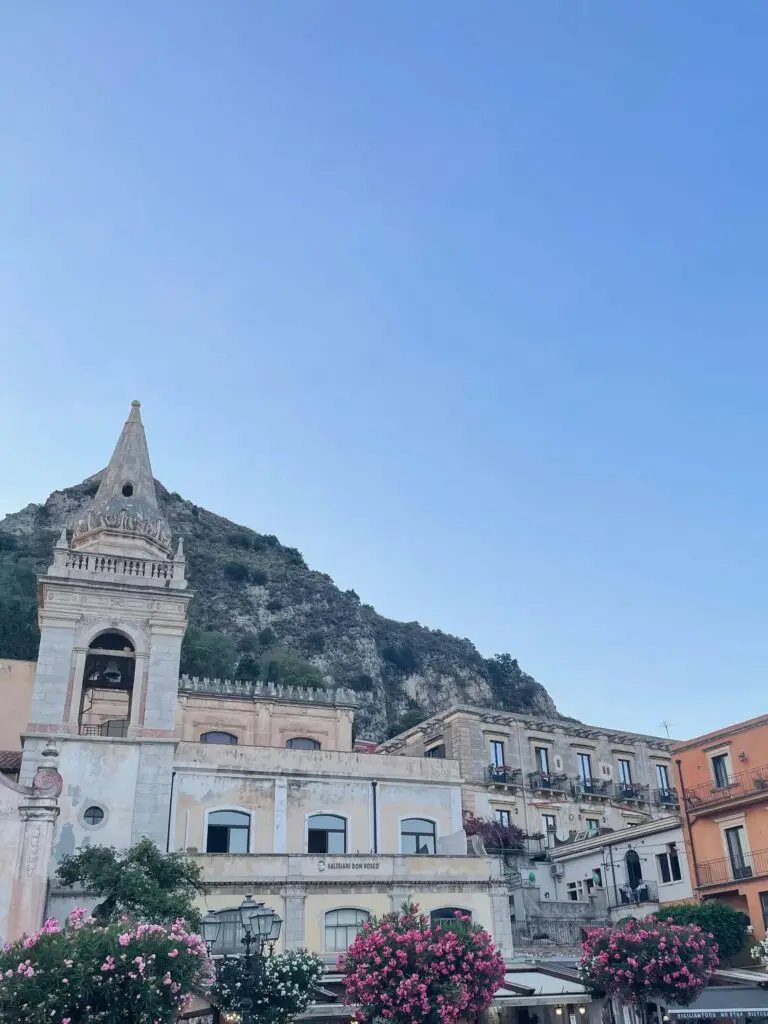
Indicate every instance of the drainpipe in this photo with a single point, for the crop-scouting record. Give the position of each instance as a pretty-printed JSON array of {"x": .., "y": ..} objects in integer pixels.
[
  {"x": 686, "y": 818},
  {"x": 522, "y": 778},
  {"x": 170, "y": 813},
  {"x": 374, "y": 784}
]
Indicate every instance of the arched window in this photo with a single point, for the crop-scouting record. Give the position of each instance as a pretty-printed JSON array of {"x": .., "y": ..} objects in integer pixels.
[
  {"x": 302, "y": 743},
  {"x": 341, "y": 927},
  {"x": 228, "y": 832},
  {"x": 105, "y": 702},
  {"x": 634, "y": 868},
  {"x": 418, "y": 835},
  {"x": 219, "y": 737},
  {"x": 448, "y": 914},
  {"x": 326, "y": 833}
]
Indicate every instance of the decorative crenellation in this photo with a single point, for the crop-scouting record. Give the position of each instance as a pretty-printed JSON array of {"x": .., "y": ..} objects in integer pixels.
[{"x": 255, "y": 690}]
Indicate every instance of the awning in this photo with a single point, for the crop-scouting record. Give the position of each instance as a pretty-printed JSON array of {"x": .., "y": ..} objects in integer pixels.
[{"x": 724, "y": 1001}]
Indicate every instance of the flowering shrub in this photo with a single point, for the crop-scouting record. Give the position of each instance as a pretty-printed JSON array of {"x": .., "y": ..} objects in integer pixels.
[
  {"x": 496, "y": 836},
  {"x": 760, "y": 951},
  {"x": 403, "y": 970},
  {"x": 134, "y": 974},
  {"x": 649, "y": 959},
  {"x": 285, "y": 986}
]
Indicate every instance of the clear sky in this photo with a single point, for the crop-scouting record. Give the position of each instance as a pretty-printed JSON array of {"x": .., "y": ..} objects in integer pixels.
[{"x": 466, "y": 301}]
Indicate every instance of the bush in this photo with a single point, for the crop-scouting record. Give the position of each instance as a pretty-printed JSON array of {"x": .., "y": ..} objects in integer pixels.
[
  {"x": 402, "y": 658},
  {"x": 237, "y": 571},
  {"x": 274, "y": 604},
  {"x": 207, "y": 654},
  {"x": 408, "y": 721},
  {"x": 361, "y": 684},
  {"x": 8, "y": 542},
  {"x": 294, "y": 558},
  {"x": 140, "y": 974},
  {"x": 314, "y": 641},
  {"x": 284, "y": 666},
  {"x": 396, "y": 970},
  {"x": 648, "y": 960},
  {"x": 286, "y": 986},
  {"x": 728, "y": 926},
  {"x": 267, "y": 637},
  {"x": 248, "y": 668},
  {"x": 495, "y": 836},
  {"x": 239, "y": 539},
  {"x": 259, "y": 577}
]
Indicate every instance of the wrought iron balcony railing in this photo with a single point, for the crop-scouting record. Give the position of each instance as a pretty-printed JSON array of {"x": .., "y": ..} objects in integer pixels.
[
  {"x": 601, "y": 788},
  {"x": 627, "y": 895},
  {"x": 753, "y": 782},
  {"x": 549, "y": 780},
  {"x": 666, "y": 797},
  {"x": 631, "y": 791},
  {"x": 503, "y": 775},
  {"x": 732, "y": 869},
  {"x": 538, "y": 932}
]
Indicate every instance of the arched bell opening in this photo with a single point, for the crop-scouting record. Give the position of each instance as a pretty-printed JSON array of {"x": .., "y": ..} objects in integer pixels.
[{"x": 107, "y": 692}]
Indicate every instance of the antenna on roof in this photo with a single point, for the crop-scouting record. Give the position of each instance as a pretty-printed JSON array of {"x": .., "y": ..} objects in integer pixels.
[{"x": 665, "y": 726}]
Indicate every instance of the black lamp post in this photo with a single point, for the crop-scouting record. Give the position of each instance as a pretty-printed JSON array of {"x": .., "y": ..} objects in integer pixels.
[{"x": 261, "y": 927}]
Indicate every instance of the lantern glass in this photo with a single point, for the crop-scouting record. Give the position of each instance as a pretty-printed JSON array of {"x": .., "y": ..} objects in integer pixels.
[
  {"x": 211, "y": 926},
  {"x": 274, "y": 934},
  {"x": 261, "y": 921},
  {"x": 247, "y": 909}
]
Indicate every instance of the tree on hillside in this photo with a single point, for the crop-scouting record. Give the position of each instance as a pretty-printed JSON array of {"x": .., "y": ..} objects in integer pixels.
[
  {"x": 142, "y": 882},
  {"x": 728, "y": 926}
]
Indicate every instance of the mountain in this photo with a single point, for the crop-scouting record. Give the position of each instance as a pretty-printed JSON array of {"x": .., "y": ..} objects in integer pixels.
[{"x": 260, "y": 612}]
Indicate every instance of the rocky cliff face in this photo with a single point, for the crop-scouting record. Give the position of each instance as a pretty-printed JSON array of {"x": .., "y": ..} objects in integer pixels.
[{"x": 259, "y": 612}]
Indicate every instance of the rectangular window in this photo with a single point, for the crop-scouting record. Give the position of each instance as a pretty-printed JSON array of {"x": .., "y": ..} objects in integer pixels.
[
  {"x": 662, "y": 778},
  {"x": 503, "y": 818},
  {"x": 593, "y": 825},
  {"x": 542, "y": 759},
  {"x": 625, "y": 772},
  {"x": 575, "y": 891},
  {"x": 585, "y": 768},
  {"x": 438, "y": 751},
  {"x": 764, "y": 907},
  {"x": 736, "y": 844},
  {"x": 497, "y": 753},
  {"x": 669, "y": 864},
  {"x": 720, "y": 770},
  {"x": 549, "y": 828}
]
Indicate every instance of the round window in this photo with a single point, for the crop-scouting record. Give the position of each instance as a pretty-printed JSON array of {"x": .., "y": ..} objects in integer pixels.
[
  {"x": 127, "y": 490},
  {"x": 93, "y": 816}
]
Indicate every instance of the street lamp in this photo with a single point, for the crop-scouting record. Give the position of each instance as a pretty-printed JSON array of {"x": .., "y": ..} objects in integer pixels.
[
  {"x": 261, "y": 926},
  {"x": 211, "y": 926}
]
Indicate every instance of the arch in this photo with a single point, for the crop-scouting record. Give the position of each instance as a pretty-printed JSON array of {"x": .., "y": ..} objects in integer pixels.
[
  {"x": 302, "y": 743},
  {"x": 327, "y": 833},
  {"x": 112, "y": 640},
  {"x": 448, "y": 914},
  {"x": 214, "y": 736},
  {"x": 134, "y": 633},
  {"x": 341, "y": 926},
  {"x": 634, "y": 868},
  {"x": 418, "y": 835},
  {"x": 228, "y": 830}
]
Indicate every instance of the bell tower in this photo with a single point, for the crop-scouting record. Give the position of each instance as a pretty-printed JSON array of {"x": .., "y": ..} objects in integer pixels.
[{"x": 112, "y": 610}]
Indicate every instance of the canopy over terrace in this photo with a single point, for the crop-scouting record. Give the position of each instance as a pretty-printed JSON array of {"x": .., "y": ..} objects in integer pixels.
[{"x": 726, "y": 1002}]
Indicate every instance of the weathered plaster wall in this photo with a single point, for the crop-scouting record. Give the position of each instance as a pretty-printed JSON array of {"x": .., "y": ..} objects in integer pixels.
[{"x": 16, "y": 681}]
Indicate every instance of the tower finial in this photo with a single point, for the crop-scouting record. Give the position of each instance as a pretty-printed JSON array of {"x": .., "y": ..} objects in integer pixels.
[{"x": 126, "y": 502}]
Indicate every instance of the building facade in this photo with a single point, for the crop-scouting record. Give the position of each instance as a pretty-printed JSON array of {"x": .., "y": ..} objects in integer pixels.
[
  {"x": 552, "y": 777},
  {"x": 723, "y": 780},
  {"x": 261, "y": 784}
]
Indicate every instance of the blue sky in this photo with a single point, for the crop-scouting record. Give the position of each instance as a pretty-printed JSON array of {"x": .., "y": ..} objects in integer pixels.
[{"x": 466, "y": 301}]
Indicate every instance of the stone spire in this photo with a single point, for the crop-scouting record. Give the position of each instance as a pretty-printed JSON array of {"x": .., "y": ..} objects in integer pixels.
[{"x": 124, "y": 517}]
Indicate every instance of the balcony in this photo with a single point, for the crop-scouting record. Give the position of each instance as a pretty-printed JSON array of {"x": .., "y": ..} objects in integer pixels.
[
  {"x": 114, "y": 727},
  {"x": 732, "y": 869},
  {"x": 549, "y": 782},
  {"x": 627, "y": 896},
  {"x": 564, "y": 933},
  {"x": 597, "y": 789},
  {"x": 743, "y": 786},
  {"x": 630, "y": 792},
  {"x": 503, "y": 775},
  {"x": 666, "y": 798}
]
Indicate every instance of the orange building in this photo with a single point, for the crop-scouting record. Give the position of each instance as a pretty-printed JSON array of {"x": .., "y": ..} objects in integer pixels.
[{"x": 723, "y": 782}]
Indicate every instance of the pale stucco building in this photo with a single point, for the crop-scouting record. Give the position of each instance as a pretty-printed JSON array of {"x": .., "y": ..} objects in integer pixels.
[{"x": 263, "y": 785}]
